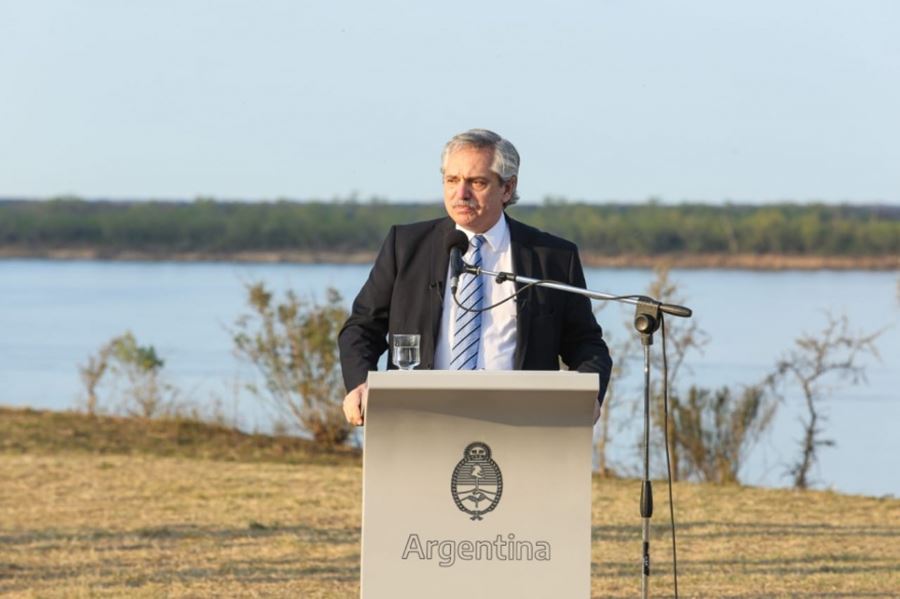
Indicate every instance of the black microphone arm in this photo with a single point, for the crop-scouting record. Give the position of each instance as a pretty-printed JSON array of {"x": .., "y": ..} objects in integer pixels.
[{"x": 501, "y": 277}]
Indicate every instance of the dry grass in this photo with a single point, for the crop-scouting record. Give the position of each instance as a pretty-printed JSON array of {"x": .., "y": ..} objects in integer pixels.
[
  {"x": 40, "y": 431},
  {"x": 80, "y": 524},
  {"x": 746, "y": 542}
]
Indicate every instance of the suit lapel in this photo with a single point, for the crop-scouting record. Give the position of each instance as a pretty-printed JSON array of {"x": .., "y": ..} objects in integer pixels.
[
  {"x": 523, "y": 264},
  {"x": 440, "y": 261}
]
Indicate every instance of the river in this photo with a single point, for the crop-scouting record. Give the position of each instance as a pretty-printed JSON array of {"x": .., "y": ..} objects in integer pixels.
[{"x": 54, "y": 314}]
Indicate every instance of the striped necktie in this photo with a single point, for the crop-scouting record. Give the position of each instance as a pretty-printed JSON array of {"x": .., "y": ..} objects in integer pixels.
[{"x": 467, "y": 327}]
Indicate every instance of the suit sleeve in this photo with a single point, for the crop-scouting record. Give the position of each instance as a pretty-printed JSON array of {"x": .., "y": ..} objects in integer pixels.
[
  {"x": 582, "y": 347},
  {"x": 363, "y": 337}
]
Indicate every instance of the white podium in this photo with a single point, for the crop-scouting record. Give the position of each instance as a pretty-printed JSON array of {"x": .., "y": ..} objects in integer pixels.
[{"x": 477, "y": 484}]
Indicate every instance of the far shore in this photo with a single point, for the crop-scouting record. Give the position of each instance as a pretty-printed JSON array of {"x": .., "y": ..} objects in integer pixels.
[{"x": 684, "y": 261}]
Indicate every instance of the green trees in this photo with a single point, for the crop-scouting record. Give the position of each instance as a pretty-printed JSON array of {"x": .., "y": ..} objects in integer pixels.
[{"x": 648, "y": 229}]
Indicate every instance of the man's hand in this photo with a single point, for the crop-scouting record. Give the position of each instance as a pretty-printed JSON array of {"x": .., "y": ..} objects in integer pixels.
[{"x": 355, "y": 404}]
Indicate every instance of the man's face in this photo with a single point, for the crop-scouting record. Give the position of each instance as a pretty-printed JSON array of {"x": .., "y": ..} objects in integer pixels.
[{"x": 474, "y": 195}]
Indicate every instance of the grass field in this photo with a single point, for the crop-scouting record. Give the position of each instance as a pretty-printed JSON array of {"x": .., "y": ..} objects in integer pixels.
[{"x": 166, "y": 518}]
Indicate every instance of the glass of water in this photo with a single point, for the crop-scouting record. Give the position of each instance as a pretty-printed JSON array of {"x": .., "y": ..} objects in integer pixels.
[{"x": 405, "y": 351}]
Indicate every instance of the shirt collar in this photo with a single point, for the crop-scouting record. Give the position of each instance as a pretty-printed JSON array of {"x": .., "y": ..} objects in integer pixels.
[{"x": 496, "y": 236}]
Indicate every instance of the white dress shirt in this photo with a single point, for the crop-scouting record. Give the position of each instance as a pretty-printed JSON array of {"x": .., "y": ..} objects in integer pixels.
[{"x": 497, "y": 347}]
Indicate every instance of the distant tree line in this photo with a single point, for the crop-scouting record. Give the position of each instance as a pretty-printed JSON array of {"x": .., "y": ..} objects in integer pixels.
[{"x": 209, "y": 226}]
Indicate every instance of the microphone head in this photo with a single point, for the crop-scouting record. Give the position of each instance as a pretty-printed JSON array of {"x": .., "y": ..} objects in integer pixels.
[
  {"x": 456, "y": 239},
  {"x": 456, "y": 243}
]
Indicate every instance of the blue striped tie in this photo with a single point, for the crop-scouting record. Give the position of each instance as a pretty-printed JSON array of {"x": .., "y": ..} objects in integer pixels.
[{"x": 467, "y": 328}]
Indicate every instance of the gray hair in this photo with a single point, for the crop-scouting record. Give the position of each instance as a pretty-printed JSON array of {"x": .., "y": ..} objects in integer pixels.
[{"x": 506, "y": 158}]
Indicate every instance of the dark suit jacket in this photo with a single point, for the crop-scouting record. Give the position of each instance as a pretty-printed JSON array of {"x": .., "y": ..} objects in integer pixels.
[{"x": 405, "y": 294}]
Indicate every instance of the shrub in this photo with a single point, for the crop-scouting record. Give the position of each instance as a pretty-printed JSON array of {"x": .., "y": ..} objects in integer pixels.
[{"x": 293, "y": 345}]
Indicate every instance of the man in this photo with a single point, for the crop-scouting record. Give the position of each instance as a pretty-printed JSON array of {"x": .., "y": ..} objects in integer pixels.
[{"x": 407, "y": 289}]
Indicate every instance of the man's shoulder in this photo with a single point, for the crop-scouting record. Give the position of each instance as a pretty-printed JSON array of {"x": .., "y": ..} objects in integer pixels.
[
  {"x": 414, "y": 233},
  {"x": 536, "y": 238},
  {"x": 424, "y": 226}
]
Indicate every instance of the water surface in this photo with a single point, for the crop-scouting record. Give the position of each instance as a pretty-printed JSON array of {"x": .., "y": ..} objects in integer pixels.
[{"x": 54, "y": 314}]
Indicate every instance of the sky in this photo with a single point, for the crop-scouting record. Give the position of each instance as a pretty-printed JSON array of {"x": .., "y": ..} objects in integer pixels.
[{"x": 606, "y": 100}]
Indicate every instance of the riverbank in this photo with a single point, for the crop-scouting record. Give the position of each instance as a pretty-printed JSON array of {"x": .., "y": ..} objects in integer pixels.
[
  {"x": 768, "y": 262},
  {"x": 29, "y": 431},
  {"x": 78, "y": 519}
]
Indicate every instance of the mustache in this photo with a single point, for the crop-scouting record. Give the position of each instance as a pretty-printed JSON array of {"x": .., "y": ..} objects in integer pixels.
[{"x": 464, "y": 204}]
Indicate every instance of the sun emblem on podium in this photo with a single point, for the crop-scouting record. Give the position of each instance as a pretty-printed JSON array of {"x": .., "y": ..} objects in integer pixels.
[{"x": 477, "y": 483}]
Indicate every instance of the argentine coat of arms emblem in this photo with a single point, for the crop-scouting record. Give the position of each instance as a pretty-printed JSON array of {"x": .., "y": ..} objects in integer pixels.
[{"x": 477, "y": 483}]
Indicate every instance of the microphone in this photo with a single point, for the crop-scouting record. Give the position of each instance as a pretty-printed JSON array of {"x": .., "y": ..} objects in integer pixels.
[
  {"x": 457, "y": 244},
  {"x": 676, "y": 310}
]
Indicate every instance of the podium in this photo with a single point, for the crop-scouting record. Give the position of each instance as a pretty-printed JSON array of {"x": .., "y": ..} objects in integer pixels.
[{"x": 477, "y": 483}]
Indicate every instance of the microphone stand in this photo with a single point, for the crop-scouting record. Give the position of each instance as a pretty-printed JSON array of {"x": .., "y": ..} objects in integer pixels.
[{"x": 647, "y": 318}]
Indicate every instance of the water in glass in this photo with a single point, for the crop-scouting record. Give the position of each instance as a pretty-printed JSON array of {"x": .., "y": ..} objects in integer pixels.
[{"x": 406, "y": 351}]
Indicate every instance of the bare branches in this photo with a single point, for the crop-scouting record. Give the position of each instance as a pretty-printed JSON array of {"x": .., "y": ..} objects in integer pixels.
[
  {"x": 683, "y": 339},
  {"x": 91, "y": 374},
  {"x": 710, "y": 432},
  {"x": 817, "y": 364}
]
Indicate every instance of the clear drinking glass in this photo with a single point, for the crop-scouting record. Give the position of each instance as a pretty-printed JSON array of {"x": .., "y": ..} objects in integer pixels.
[{"x": 405, "y": 351}]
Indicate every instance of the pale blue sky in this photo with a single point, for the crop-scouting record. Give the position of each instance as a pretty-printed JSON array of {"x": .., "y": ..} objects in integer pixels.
[{"x": 690, "y": 99}]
